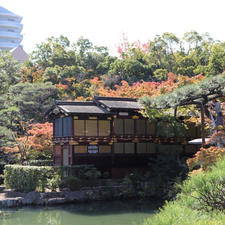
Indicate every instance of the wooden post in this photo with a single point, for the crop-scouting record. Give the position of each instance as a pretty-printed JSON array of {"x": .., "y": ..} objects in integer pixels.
[{"x": 203, "y": 124}]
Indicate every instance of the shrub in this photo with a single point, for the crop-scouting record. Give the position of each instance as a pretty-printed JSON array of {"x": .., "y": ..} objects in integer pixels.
[
  {"x": 1, "y": 179},
  {"x": 83, "y": 172},
  {"x": 201, "y": 201},
  {"x": 40, "y": 163},
  {"x": 2, "y": 165},
  {"x": 73, "y": 183},
  {"x": 205, "y": 157},
  {"x": 27, "y": 178},
  {"x": 31, "y": 178}
]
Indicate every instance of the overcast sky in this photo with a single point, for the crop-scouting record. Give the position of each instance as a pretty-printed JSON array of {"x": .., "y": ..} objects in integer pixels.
[{"x": 104, "y": 21}]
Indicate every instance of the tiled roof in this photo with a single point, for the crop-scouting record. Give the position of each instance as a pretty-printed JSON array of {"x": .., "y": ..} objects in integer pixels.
[
  {"x": 91, "y": 109},
  {"x": 121, "y": 104},
  {"x": 100, "y": 105},
  {"x": 80, "y": 107}
]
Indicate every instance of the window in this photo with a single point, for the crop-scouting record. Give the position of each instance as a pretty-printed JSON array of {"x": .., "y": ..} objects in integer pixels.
[
  {"x": 150, "y": 148},
  {"x": 150, "y": 128},
  {"x": 67, "y": 126},
  {"x": 104, "y": 127},
  {"x": 141, "y": 148},
  {"x": 129, "y": 148},
  {"x": 79, "y": 128},
  {"x": 80, "y": 149},
  {"x": 140, "y": 127},
  {"x": 123, "y": 126},
  {"x": 118, "y": 126},
  {"x": 118, "y": 148},
  {"x": 129, "y": 126},
  {"x": 105, "y": 149},
  {"x": 63, "y": 127},
  {"x": 58, "y": 127},
  {"x": 91, "y": 128}
]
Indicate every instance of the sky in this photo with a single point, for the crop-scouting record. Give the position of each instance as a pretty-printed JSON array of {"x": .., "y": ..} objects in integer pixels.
[{"x": 104, "y": 22}]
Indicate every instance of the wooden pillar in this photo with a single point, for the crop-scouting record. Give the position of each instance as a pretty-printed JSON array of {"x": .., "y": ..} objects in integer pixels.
[
  {"x": 70, "y": 155},
  {"x": 203, "y": 124}
]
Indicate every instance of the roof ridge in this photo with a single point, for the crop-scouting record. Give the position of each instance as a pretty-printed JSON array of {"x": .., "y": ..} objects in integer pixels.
[
  {"x": 97, "y": 98},
  {"x": 59, "y": 102}
]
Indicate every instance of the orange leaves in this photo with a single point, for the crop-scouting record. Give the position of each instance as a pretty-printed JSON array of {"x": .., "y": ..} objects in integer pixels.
[
  {"x": 206, "y": 157},
  {"x": 38, "y": 138},
  {"x": 31, "y": 74},
  {"x": 142, "y": 88}
]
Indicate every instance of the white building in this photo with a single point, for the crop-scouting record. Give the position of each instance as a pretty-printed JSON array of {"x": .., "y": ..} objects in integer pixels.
[{"x": 10, "y": 29}]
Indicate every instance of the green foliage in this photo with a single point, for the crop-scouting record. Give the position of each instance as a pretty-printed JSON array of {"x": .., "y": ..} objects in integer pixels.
[
  {"x": 32, "y": 100},
  {"x": 201, "y": 201},
  {"x": 195, "y": 94},
  {"x": 161, "y": 74},
  {"x": 27, "y": 178},
  {"x": 40, "y": 162},
  {"x": 74, "y": 170},
  {"x": 159, "y": 182},
  {"x": 31, "y": 178},
  {"x": 173, "y": 128},
  {"x": 71, "y": 182}
]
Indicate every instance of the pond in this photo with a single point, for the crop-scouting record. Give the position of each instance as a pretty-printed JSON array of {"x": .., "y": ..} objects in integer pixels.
[{"x": 98, "y": 213}]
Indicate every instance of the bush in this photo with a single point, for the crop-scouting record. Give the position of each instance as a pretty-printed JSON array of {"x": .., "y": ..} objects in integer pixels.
[
  {"x": 73, "y": 183},
  {"x": 1, "y": 179},
  {"x": 2, "y": 165},
  {"x": 40, "y": 163},
  {"x": 38, "y": 178},
  {"x": 27, "y": 178},
  {"x": 201, "y": 201},
  {"x": 87, "y": 174},
  {"x": 206, "y": 157}
]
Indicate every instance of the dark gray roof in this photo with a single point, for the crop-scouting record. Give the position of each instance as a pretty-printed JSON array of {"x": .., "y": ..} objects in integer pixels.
[
  {"x": 133, "y": 105},
  {"x": 99, "y": 105},
  {"x": 91, "y": 109}
]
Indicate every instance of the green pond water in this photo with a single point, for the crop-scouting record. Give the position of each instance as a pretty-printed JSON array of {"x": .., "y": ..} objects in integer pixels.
[{"x": 100, "y": 213}]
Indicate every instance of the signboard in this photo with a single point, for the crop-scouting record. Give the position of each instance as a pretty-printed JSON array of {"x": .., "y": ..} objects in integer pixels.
[
  {"x": 123, "y": 113},
  {"x": 92, "y": 149}
]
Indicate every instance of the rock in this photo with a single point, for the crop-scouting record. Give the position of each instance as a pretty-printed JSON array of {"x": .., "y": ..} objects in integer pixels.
[
  {"x": 11, "y": 202},
  {"x": 75, "y": 196},
  {"x": 55, "y": 201},
  {"x": 31, "y": 198}
]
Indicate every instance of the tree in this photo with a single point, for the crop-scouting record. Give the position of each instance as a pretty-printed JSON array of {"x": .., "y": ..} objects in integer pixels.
[{"x": 36, "y": 142}]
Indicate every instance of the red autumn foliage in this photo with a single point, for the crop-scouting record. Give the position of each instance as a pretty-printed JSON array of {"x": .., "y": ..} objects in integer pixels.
[
  {"x": 143, "y": 88},
  {"x": 38, "y": 138}
]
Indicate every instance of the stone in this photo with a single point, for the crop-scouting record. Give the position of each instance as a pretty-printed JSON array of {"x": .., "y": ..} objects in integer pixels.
[
  {"x": 11, "y": 202},
  {"x": 75, "y": 196},
  {"x": 31, "y": 198},
  {"x": 55, "y": 201}
]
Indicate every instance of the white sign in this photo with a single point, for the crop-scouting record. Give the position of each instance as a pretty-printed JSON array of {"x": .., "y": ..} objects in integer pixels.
[
  {"x": 123, "y": 113},
  {"x": 92, "y": 149}
]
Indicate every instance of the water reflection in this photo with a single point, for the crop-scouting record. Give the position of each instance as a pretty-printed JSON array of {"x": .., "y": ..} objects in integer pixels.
[{"x": 98, "y": 213}]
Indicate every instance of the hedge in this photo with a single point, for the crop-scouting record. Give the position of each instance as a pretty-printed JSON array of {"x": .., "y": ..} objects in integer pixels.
[
  {"x": 27, "y": 178},
  {"x": 40, "y": 162},
  {"x": 38, "y": 178}
]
